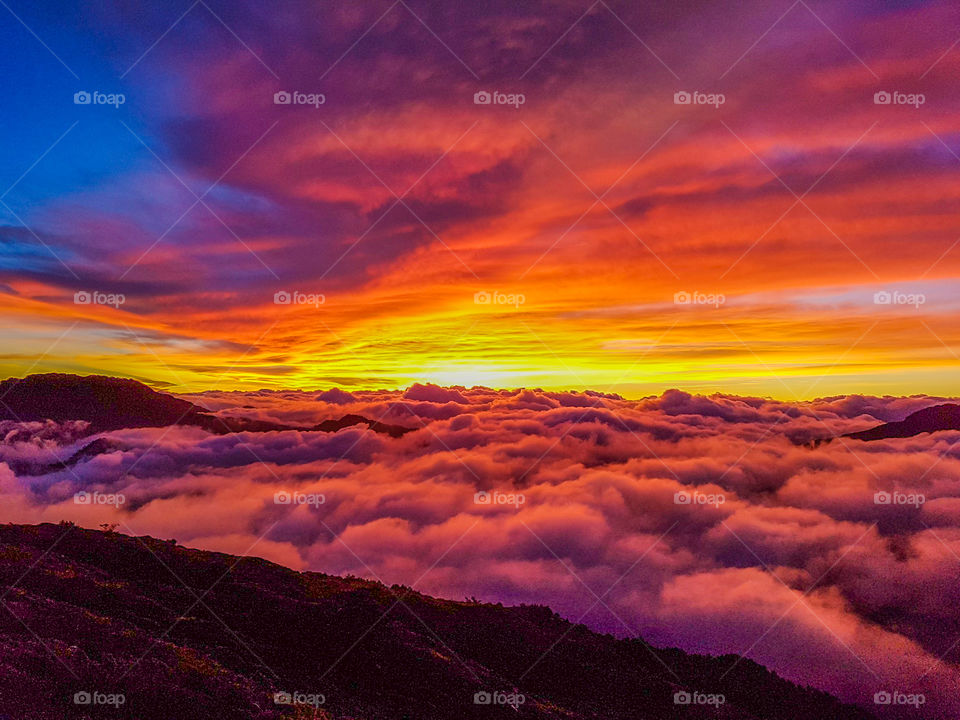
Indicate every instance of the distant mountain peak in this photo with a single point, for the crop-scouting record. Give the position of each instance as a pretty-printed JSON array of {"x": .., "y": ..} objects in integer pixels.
[
  {"x": 935, "y": 418},
  {"x": 107, "y": 403},
  {"x": 110, "y": 403}
]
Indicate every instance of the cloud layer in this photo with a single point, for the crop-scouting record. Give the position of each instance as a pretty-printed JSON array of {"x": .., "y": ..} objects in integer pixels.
[{"x": 695, "y": 521}]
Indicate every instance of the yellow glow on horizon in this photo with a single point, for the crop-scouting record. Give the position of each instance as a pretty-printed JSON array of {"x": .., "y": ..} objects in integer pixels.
[
  {"x": 471, "y": 376},
  {"x": 788, "y": 352}
]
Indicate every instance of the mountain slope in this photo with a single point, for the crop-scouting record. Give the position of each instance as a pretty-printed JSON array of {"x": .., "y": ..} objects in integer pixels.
[
  {"x": 197, "y": 635},
  {"x": 109, "y": 403},
  {"x": 931, "y": 419}
]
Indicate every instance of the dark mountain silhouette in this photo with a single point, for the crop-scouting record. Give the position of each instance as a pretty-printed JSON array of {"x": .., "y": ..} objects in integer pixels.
[
  {"x": 91, "y": 449},
  {"x": 198, "y": 635},
  {"x": 109, "y": 403},
  {"x": 348, "y": 420},
  {"x": 931, "y": 419}
]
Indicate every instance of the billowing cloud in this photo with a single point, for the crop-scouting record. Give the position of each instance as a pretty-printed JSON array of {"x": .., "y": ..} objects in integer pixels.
[{"x": 695, "y": 521}]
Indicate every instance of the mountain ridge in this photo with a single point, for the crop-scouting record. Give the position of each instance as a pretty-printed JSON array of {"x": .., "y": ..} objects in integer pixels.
[
  {"x": 196, "y": 635},
  {"x": 936, "y": 418},
  {"x": 110, "y": 403}
]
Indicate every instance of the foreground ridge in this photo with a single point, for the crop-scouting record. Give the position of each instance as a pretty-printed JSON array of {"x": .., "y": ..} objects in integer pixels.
[{"x": 189, "y": 634}]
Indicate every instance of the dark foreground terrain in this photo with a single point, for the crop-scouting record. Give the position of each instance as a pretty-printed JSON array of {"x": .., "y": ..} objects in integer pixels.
[{"x": 183, "y": 634}]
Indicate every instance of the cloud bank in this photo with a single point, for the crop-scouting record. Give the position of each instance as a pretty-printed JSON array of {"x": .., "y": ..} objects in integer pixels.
[{"x": 698, "y": 522}]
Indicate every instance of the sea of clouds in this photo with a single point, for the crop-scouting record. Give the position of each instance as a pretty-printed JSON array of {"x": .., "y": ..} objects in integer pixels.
[{"x": 708, "y": 523}]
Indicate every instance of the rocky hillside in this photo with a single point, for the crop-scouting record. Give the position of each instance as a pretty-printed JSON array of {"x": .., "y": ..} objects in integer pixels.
[{"x": 99, "y": 624}]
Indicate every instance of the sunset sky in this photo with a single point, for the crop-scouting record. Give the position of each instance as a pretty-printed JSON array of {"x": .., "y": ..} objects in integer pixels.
[{"x": 789, "y": 213}]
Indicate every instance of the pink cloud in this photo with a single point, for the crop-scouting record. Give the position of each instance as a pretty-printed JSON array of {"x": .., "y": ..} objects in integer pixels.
[{"x": 699, "y": 515}]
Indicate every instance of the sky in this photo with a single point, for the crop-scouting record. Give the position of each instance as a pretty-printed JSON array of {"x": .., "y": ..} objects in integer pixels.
[{"x": 785, "y": 233}]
